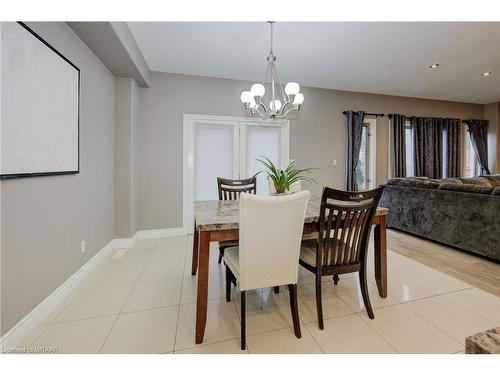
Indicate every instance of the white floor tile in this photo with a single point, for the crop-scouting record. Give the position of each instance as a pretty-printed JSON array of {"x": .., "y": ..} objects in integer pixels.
[
  {"x": 435, "y": 280},
  {"x": 350, "y": 292},
  {"x": 94, "y": 302},
  {"x": 224, "y": 347},
  {"x": 404, "y": 288},
  {"x": 79, "y": 337},
  {"x": 222, "y": 324},
  {"x": 282, "y": 341},
  {"x": 128, "y": 256},
  {"x": 409, "y": 333},
  {"x": 457, "y": 321},
  {"x": 150, "y": 294},
  {"x": 349, "y": 335},
  {"x": 485, "y": 304},
  {"x": 150, "y": 331},
  {"x": 216, "y": 287},
  {"x": 333, "y": 306},
  {"x": 117, "y": 274}
]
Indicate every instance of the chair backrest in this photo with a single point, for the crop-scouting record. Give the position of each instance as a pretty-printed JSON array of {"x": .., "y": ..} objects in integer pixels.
[
  {"x": 294, "y": 188},
  {"x": 345, "y": 223},
  {"x": 270, "y": 237},
  {"x": 230, "y": 190}
]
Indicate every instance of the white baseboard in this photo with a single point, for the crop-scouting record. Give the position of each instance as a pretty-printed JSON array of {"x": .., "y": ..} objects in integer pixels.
[
  {"x": 15, "y": 336},
  {"x": 158, "y": 233}
]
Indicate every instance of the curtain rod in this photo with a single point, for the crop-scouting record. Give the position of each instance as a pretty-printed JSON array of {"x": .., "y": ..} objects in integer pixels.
[{"x": 369, "y": 114}]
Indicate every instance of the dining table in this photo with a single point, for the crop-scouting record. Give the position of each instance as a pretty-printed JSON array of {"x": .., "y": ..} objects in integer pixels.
[{"x": 218, "y": 220}]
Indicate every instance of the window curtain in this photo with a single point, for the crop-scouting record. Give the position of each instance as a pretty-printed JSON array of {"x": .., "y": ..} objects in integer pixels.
[
  {"x": 428, "y": 146},
  {"x": 399, "y": 144},
  {"x": 451, "y": 127},
  {"x": 354, "y": 133},
  {"x": 478, "y": 130}
]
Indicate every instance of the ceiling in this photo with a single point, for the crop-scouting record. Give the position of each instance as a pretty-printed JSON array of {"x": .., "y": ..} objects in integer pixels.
[{"x": 382, "y": 58}]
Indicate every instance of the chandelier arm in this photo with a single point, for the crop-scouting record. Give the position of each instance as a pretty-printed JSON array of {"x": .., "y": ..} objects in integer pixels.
[
  {"x": 288, "y": 102},
  {"x": 294, "y": 108}
]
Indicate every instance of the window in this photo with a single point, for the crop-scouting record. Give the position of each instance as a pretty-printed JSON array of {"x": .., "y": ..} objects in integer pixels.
[
  {"x": 410, "y": 172},
  {"x": 365, "y": 171},
  {"x": 471, "y": 164}
]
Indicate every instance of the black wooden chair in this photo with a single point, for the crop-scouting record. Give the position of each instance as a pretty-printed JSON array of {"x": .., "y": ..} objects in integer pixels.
[
  {"x": 345, "y": 222},
  {"x": 231, "y": 190}
]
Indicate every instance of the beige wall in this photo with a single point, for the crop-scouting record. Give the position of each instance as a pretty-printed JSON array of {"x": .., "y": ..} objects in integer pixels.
[
  {"x": 43, "y": 219},
  {"x": 317, "y": 135}
]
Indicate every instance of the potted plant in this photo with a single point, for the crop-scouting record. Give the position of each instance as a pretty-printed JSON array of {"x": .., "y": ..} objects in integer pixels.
[{"x": 283, "y": 179}]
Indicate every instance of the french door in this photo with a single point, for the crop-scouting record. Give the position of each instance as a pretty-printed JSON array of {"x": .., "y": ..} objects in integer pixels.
[{"x": 228, "y": 147}]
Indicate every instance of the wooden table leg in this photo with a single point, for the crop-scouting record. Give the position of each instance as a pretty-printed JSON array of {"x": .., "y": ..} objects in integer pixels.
[
  {"x": 381, "y": 257},
  {"x": 201, "y": 302},
  {"x": 194, "y": 262}
]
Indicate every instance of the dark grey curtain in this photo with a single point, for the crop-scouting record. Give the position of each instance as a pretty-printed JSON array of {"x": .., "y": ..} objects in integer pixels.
[
  {"x": 451, "y": 128},
  {"x": 478, "y": 130},
  {"x": 399, "y": 144},
  {"x": 354, "y": 133},
  {"x": 428, "y": 146}
]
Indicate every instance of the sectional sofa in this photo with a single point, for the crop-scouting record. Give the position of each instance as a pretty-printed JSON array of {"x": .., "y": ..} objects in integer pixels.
[{"x": 460, "y": 212}]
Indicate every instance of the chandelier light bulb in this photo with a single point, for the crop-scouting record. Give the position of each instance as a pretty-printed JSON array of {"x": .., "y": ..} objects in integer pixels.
[
  {"x": 292, "y": 88},
  {"x": 299, "y": 99},
  {"x": 246, "y": 97},
  {"x": 275, "y": 105},
  {"x": 253, "y": 104},
  {"x": 258, "y": 90}
]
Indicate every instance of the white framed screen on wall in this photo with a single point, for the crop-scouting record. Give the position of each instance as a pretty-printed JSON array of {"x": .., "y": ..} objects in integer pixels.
[{"x": 40, "y": 93}]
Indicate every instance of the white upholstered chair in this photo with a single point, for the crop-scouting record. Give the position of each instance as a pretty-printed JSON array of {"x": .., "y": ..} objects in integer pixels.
[{"x": 269, "y": 246}]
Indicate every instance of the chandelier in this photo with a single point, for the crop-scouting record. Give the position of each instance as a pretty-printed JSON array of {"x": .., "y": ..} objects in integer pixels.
[{"x": 281, "y": 102}]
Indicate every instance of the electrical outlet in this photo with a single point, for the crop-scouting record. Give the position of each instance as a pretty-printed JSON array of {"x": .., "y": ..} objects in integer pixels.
[
  {"x": 83, "y": 248},
  {"x": 334, "y": 162}
]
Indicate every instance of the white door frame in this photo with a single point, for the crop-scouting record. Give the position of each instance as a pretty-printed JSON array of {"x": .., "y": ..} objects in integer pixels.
[
  {"x": 372, "y": 149},
  {"x": 189, "y": 122}
]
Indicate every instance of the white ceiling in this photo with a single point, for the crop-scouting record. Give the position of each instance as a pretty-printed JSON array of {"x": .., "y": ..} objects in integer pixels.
[{"x": 383, "y": 58}]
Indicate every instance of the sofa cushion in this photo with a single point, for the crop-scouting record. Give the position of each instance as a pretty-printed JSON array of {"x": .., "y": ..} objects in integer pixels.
[
  {"x": 494, "y": 179},
  {"x": 454, "y": 180},
  {"x": 420, "y": 182},
  {"x": 480, "y": 181},
  {"x": 466, "y": 188}
]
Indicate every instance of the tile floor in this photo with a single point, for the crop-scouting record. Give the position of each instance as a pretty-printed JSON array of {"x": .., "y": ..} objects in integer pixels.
[{"x": 142, "y": 300}]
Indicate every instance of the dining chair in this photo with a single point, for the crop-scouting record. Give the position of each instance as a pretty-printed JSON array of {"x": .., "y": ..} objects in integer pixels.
[
  {"x": 345, "y": 222},
  {"x": 270, "y": 232},
  {"x": 231, "y": 190}
]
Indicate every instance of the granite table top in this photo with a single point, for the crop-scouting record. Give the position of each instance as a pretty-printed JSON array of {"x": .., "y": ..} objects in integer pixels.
[
  {"x": 224, "y": 215},
  {"x": 486, "y": 342}
]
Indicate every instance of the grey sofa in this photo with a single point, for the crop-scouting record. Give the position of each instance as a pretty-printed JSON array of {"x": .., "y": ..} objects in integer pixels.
[{"x": 461, "y": 212}]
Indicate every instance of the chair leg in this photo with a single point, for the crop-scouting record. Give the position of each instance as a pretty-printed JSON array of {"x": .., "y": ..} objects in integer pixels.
[
  {"x": 243, "y": 321},
  {"x": 319, "y": 303},
  {"x": 295, "y": 309},
  {"x": 229, "y": 279},
  {"x": 221, "y": 254},
  {"x": 364, "y": 292},
  {"x": 335, "y": 279},
  {"x": 276, "y": 289}
]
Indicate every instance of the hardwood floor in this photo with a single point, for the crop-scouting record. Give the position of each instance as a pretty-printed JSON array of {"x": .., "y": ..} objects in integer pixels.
[{"x": 472, "y": 269}]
